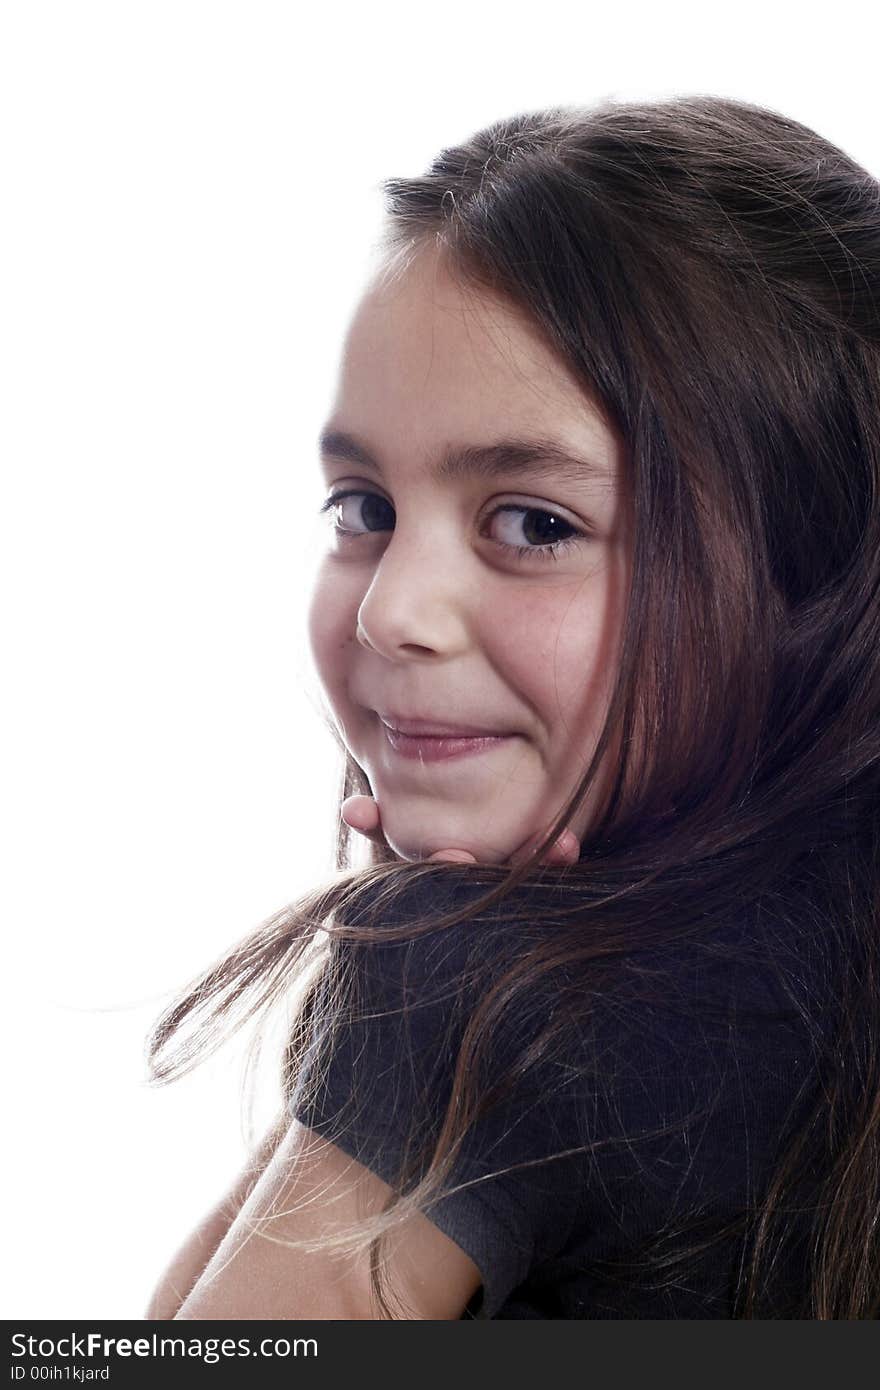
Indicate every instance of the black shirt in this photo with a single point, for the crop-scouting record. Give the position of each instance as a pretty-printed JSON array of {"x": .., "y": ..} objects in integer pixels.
[{"x": 674, "y": 1086}]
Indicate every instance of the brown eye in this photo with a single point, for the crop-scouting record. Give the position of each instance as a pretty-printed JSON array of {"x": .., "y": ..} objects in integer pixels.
[
  {"x": 549, "y": 533},
  {"x": 373, "y": 512}
]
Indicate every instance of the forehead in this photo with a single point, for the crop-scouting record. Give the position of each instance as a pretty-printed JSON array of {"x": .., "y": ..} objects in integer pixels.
[{"x": 431, "y": 364}]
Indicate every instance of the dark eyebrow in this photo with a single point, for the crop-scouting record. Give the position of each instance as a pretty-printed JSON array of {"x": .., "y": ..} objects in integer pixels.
[{"x": 505, "y": 456}]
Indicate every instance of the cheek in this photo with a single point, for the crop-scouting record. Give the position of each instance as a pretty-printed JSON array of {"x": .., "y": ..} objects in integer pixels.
[
  {"x": 587, "y": 662},
  {"x": 331, "y": 623},
  {"x": 563, "y": 658}
]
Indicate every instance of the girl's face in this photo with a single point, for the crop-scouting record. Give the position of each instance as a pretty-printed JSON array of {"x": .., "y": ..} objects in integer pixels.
[{"x": 439, "y": 596}]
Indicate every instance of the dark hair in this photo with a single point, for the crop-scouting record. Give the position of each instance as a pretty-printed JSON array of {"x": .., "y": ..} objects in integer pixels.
[{"x": 710, "y": 271}]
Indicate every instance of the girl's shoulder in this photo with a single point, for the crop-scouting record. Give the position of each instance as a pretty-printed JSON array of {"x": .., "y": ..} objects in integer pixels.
[{"x": 751, "y": 988}]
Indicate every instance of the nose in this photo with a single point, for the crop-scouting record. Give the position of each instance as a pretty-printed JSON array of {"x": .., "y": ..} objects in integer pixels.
[{"x": 418, "y": 603}]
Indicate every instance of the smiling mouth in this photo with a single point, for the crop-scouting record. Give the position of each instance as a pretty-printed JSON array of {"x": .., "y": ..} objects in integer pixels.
[
  {"x": 430, "y": 728},
  {"x": 439, "y": 748}
]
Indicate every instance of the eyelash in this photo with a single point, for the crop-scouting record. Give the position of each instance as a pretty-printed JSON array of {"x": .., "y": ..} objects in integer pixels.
[{"x": 550, "y": 551}]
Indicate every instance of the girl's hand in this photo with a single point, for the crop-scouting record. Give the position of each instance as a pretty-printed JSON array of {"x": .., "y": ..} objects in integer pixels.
[{"x": 362, "y": 814}]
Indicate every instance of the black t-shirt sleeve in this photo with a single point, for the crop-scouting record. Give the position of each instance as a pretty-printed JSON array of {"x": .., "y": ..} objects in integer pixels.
[
  {"x": 669, "y": 1097},
  {"x": 414, "y": 1001}
]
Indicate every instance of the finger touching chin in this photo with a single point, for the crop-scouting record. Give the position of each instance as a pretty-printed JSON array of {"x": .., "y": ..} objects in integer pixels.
[{"x": 452, "y": 856}]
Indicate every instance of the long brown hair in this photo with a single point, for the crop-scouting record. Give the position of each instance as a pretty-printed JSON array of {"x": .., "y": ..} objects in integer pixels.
[{"x": 710, "y": 271}]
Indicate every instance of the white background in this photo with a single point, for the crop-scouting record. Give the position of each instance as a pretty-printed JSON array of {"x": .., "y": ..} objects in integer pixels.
[{"x": 189, "y": 198}]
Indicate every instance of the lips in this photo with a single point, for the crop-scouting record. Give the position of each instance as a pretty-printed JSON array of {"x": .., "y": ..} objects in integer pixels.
[
  {"x": 430, "y": 728},
  {"x": 438, "y": 748}
]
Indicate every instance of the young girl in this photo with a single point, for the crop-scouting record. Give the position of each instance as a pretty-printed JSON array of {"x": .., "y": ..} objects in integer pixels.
[{"x": 598, "y": 619}]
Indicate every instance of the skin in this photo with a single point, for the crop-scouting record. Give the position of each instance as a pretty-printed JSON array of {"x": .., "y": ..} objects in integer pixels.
[
  {"x": 431, "y": 615},
  {"x": 419, "y": 607}
]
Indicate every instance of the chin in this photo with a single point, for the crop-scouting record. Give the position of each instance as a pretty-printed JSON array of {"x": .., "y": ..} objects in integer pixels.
[
  {"x": 416, "y": 830},
  {"x": 406, "y": 845},
  {"x": 414, "y": 852}
]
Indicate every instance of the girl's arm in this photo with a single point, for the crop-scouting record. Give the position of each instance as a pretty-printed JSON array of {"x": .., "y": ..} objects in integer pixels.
[
  {"x": 188, "y": 1264},
  {"x": 312, "y": 1188}
]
